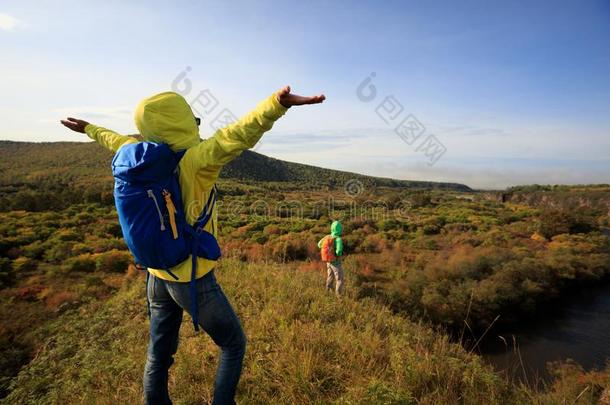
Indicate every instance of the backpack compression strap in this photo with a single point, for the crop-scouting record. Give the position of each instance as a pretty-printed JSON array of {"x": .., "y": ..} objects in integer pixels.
[{"x": 195, "y": 229}]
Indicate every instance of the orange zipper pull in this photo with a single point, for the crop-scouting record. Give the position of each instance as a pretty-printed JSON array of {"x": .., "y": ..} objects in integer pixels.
[{"x": 171, "y": 209}]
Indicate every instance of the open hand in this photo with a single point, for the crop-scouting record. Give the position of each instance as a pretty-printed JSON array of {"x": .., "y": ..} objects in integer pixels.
[
  {"x": 75, "y": 124},
  {"x": 288, "y": 99}
]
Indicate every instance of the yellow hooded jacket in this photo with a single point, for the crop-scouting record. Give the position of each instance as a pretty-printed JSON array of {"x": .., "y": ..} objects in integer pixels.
[{"x": 167, "y": 118}]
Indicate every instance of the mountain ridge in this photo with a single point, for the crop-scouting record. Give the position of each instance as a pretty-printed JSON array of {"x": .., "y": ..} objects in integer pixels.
[{"x": 87, "y": 157}]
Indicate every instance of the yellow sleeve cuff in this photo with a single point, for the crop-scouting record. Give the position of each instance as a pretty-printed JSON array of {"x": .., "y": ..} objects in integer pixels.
[
  {"x": 277, "y": 108},
  {"x": 90, "y": 130}
]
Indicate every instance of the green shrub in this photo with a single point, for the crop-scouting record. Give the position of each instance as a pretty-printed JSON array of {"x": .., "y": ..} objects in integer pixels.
[
  {"x": 114, "y": 229},
  {"x": 421, "y": 199},
  {"x": 67, "y": 235},
  {"x": 113, "y": 261},
  {"x": 22, "y": 264},
  {"x": 84, "y": 218},
  {"x": 390, "y": 224},
  {"x": 431, "y": 229},
  {"x": 289, "y": 247},
  {"x": 34, "y": 250},
  {"x": 6, "y": 272},
  {"x": 556, "y": 222},
  {"x": 259, "y": 238},
  {"x": 58, "y": 252},
  {"x": 83, "y": 263},
  {"x": 380, "y": 393}
]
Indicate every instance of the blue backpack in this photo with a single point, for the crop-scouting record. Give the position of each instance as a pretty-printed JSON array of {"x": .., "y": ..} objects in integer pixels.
[{"x": 151, "y": 213}]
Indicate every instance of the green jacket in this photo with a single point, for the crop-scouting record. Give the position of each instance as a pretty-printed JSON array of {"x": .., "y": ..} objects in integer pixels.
[{"x": 335, "y": 232}]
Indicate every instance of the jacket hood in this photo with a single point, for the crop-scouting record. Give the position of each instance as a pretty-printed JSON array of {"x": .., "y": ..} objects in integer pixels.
[
  {"x": 167, "y": 118},
  {"x": 336, "y": 229}
]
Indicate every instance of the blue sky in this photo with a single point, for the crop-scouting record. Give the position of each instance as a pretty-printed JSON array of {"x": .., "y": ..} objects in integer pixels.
[{"x": 514, "y": 92}]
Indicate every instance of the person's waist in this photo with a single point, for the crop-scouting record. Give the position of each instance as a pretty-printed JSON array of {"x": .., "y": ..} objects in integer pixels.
[
  {"x": 184, "y": 274},
  {"x": 208, "y": 278}
]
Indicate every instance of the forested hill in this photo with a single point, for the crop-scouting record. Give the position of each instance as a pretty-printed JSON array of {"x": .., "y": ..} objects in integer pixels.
[
  {"x": 254, "y": 166},
  {"x": 54, "y": 174}
]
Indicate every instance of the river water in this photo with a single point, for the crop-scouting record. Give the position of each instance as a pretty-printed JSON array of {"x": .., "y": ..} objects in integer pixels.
[{"x": 578, "y": 330}]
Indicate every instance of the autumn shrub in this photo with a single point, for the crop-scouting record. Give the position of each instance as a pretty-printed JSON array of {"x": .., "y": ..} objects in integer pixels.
[
  {"x": 390, "y": 224},
  {"x": 57, "y": 251},
  {"x": 259, "y": 238},
  {"x": 313, "y": 251},
  {"x": 112, "y": 261},
  {"x": 271, "y": 229},
  {"x": 365, "y": 265},
  {"x": 68, "y": 235},
  {"x": 431, "y": 229},
  {"x": 421, "y": 241},
  {"x": 393, "y": 255},
  {"x": 420, "y": 199},
  {"x": 23, "y": 264},
  {"x": 394, "y": 235},
  {"x": 34, "y": 250},
  {"x": 508, "y": 217},
  {"x": 289, "y": 247},
  {"x": 99, "y": 245},
  {"x": 83, "y": 263},
  {"x": 357, "y": 224},
  {"x": 113, "y": 228},
  {"x": 6, "y": 272},
  {"x": 553, "y": 222},
  {"x": 234, "y": 248},
  {"x": 14, "y": 253},
  {"x": 84, "y": 218},
  {"x": 299, "y": 226},
  {"x": 572, "y": 384},
  {"x": 256, "y": 226},
  {"x": 255, "y": 253},
  {"x": 493, "y": 280},
  {"x": 55, "y": 300},
  {"x": 83, "y": 247},
  {"x": 373, "y": 244},
  {"x": 496, "y": 237},
  {"x": 50, "y": 217},
  {"x": 30, "y": 292},
  {"x": 241, "y": 232},
  {"x": 458, "y": 227}
]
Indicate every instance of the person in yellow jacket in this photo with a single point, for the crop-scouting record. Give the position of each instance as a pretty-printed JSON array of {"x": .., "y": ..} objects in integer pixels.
[{"x": 167, "y": 118}]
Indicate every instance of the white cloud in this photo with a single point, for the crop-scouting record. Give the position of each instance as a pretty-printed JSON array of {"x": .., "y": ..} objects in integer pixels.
[
  {"x": 9, "y": 23},
  {"x": 96, "y": 112}
]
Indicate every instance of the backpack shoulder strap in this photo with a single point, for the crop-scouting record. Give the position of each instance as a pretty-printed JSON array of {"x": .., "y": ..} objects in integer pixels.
[
  {"x": 180, "y": 155},
  {"x": 207, "y": 211}
]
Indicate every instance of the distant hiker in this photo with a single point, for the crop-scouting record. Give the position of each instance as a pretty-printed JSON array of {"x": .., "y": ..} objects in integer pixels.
[
  {"x": 331, "y": 250},
  {"x": 175, "y": 210}
]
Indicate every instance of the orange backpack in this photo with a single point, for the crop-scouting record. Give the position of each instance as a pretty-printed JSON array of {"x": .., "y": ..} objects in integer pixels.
[{"x": 328, "y": 249}]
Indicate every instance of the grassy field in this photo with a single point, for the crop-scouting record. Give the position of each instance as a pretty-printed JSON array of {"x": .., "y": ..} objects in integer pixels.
[
  {"x": 422, "y": 265},
  {"x": 304, "y": 346}
]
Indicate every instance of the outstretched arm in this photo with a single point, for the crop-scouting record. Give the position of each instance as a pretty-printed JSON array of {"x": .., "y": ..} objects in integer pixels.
[
  {"x": 227, "y": 143},
  {"x": 103, "y": 136}
]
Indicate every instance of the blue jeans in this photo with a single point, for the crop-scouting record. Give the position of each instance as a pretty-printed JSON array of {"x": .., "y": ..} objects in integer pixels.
[{"x": 166, "y": 302}]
